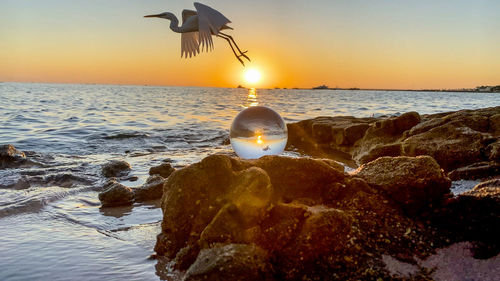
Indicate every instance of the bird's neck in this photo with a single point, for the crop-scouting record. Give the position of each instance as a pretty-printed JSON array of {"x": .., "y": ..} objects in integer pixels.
[{"x": 174, "y": 23}]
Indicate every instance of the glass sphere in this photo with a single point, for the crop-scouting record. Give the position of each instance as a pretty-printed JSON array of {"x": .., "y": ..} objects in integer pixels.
[{"x": 258, "y": 131}]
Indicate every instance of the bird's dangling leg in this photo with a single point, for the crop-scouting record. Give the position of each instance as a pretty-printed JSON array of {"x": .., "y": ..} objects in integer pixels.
[
  {"x": 242, "y": 54},
  {"x": 234, "y": 52}
]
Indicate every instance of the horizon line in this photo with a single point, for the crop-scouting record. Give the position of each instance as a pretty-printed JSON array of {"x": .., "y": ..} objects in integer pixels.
[{"x": 262, "y": 88}]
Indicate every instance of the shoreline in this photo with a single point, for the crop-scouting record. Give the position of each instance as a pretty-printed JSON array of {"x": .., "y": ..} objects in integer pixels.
[
  {"x": 278, "y": 208},
  {"x": 281, "y": 218}
]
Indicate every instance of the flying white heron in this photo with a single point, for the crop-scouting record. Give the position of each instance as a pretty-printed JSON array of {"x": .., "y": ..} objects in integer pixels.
[{"x": 197, "y": 29}]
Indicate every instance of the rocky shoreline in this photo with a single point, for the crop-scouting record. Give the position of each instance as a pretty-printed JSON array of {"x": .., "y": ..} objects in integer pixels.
[
  {"x": 465, "y": 143},
  {"x": 281, "y": 218}
]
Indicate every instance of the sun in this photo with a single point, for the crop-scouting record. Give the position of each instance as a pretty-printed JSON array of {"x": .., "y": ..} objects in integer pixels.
[{"x": 252, "y": 76}]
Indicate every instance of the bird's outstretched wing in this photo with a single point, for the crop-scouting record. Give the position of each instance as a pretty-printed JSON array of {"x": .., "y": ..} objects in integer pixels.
[
  {"x": 187, "y": 14},
  {"x": 210, "y": 22},
  {"x": 190, "y": 45}
]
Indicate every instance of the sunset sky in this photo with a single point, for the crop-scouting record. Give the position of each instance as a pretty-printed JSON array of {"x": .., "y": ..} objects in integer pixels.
[{"x": 366, "y": 44}]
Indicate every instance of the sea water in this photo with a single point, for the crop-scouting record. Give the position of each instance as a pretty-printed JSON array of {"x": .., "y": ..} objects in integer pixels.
[{"x": 51, "y": 223}]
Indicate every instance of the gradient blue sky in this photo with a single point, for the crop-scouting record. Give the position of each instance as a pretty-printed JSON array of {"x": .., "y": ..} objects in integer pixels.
[{"x": 369, "y": 44}]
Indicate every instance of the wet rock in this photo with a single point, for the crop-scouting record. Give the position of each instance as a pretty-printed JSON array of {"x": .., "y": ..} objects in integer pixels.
[
  {"x": 488, "y": 183},
  {"x": 479, "y": 170},
  {"x": 412, "y": 181},
  {"x": 152, "y": 189},
  {"x": 230, "y": 262},
  {"x": 131, "y": 178},
  {"x": 64, "y": 180},
  {"x": 164, "y": 170},
  {"x": 327, "y": 136},
  {"x": 226, "y": 141},
  {"x": 116, "y": 194},
  {"x": 450, "y": 145},
  {"x": 392, "y": 150},
  {"x": 349, "y": 134},
  {"x": 10, "y": 157},
  {"x": 15, "y": 182},
  {"x": 334, "y": 164},
  {"x": 193, "y": 196},
  {"x": 115, "y": 168},
  {"x": 454, "y": 139},
  {"x": 311, "y": 220},
  {"x": 382, "y": 133}
]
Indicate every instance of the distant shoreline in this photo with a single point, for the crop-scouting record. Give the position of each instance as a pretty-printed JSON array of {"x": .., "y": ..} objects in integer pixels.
[{"x": 481, "y": 89}]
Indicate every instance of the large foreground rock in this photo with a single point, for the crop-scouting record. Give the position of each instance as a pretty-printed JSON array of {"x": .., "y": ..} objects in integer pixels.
[
  {"x": 300, "y": 218},
  {"x": 455, "y": 139}
]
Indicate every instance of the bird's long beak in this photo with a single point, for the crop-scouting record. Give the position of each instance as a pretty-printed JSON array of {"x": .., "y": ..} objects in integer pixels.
[{"x": 153, "y": 16}]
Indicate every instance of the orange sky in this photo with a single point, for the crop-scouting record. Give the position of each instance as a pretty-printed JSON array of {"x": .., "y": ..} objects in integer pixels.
[{"x": 419, "y": 44}]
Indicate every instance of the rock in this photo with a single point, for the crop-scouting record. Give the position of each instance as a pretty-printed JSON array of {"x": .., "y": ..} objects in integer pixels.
[
  {"x": 479, "y": 170},
  {"x": 488, "y": 183},
  {"x": 494, "y": 122},
  {"x": 164, "y": 170},
  {"x": 451, "y": 146},
  {"x": 115, "y": 168},
  {"x": 349, "y": 134},
  {"x": 334, "y": 164},
  {"x": 486, "y": 189},
  {"x": 227, "y": 226},
  {"x": 226, "y": 140},
  {"x": 198, "y": 192},
  {"x": 392, "y": 150},
  {"x": 493, "y": 151},
  {"x": 302, "y": 183},
  {"x": 474, "y": 216},
  {"x": 454, "y": 139},
  {"x": 412, "y": 181},
  {"x": 152, "y": 189},
  {"x": 309, "y": 220},
  {"x": 281, "y": 225},
  {"x": 405, "y": 122},
  {"x": 324, "y": 232},
  {"x": 10, "y": 157},
  {"x": 116, "y": 194},
  {"x": 192, "y": 197},
  {"x": 15, "y": 182},
  {"x": 230, "y": 262},
  {"x": 65, "y": 180},
  {"x": 327, "y": 136},
  {"x": 383, "y": 132}
]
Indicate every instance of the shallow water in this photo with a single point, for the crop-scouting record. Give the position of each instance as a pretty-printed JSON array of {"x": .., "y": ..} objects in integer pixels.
[{"x": 51, "y": 226}]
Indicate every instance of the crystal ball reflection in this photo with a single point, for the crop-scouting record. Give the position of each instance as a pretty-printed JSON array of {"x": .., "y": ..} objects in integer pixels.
[{"x": 258, "y": 131}]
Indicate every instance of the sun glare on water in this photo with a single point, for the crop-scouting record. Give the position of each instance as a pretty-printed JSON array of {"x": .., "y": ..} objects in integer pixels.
[{"x": 252, "y": 76}]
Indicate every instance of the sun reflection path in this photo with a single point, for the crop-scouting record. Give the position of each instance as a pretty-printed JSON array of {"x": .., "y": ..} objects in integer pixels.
[{"x": 252, "y": 97}]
